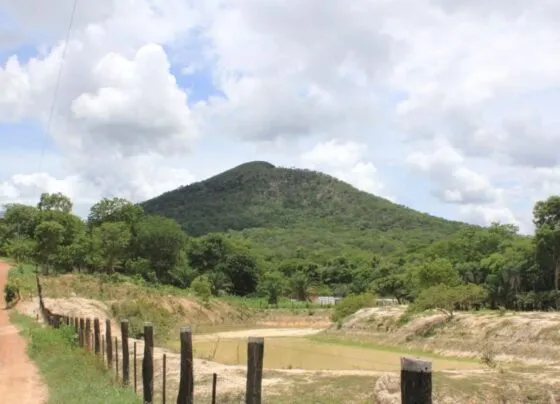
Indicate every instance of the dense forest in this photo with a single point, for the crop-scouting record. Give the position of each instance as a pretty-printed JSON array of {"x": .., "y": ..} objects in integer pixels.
[
  {"x": 267, "y": 231},
  {"x": 280, "y": 210}
]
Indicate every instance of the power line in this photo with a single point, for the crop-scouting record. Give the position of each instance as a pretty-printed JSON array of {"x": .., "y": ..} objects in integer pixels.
[{"x": 57, "y": 86}]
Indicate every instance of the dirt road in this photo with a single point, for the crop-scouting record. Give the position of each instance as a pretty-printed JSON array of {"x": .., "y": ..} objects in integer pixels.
[{"x": 20, "y": 381}]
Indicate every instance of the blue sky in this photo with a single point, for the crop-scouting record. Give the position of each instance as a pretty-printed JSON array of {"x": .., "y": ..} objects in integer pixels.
[{"x": 407, "y": 109}]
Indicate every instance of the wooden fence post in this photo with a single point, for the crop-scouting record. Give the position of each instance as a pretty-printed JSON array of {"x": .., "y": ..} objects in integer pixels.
[
  {"x": 416, "y": 381},
  {"x": 163, "y": 387},
  {"x": 96, "y": 331},
  {"x": 135, "y": 365},
  {"x": 117, "y": 357},
  {"x": 108, "y": 343},
  {"x": 255, "y": 355},
  {"x": 214, "y": 382},
  {"x": 186, "y": 384},
  {"x": 77, "y": 325},
  {"x": 82, "y": 332},
  {"x": 103, "y": 346},
  {"x": 125, "y": 353},
  {"x": 148, "y": 363},
  {"x": 88, "y": 333}
]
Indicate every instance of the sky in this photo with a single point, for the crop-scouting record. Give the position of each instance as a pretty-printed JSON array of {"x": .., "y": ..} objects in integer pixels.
[{"x": 446, "y": 106}]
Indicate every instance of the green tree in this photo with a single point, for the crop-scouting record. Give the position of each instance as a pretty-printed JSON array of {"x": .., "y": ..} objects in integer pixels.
[
  {"x": 49, "y": 236},
  {"x": 56, "y": 201},
  {"x": 242, "y": 271},
  {"x": 111, "y": 240},
  {"x": 207, "y": 253},
  {"x": 546, "y": 217},
  {"x": 21, "y": 249},
  {"x": 20, "y": 220},
  {"x": 438, "y": 271},
  {"x": 273, "y": 285},
  {"x": 160, "y": 241},
  {"x": 447, "y": 298},
  {"x": 115, "y": 210}
]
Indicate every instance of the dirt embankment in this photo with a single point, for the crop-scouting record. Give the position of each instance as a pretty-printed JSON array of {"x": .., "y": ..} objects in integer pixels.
[
  {"x": 529, "y": 336},
  {"x": 20, "y": 381}
]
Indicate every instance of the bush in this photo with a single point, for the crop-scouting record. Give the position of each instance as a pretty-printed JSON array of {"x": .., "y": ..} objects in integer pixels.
[
  {"x": 448, "y": 298},
  {"x": 351, "y": 304},
  {"x": 137, "y": 312},
  {"x": 202, "y": 288},
  {"x": 11, "y": 293}
]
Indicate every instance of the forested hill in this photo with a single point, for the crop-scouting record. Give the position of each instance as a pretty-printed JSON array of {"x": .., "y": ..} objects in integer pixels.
[{"x": 260, "y": 195}]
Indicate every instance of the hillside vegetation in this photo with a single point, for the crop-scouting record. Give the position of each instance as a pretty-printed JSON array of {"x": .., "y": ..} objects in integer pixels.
[
  {"x": 283, "y": 209},
  {"x": 321, "y": 237}
]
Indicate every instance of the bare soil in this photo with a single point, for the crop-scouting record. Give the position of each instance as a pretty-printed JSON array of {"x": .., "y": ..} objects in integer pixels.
[{"x": 20, "y": 381}]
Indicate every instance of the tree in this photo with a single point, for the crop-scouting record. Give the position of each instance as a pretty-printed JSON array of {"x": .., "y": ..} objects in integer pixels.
[
  {"x": 242, "y": 271},
  {"x": 391, "y": 284},
  {"x": 160, "y": 241},
  {"x": 111, "y": 241},
  {"x": 115, "y": 210},
  {"x": 207, "y": 253},
  {"x": 438, "y": 271},
  {"x": 546, "y": 217},
  {"x": 447, "y": 298},
  {"x": 273, "y": 285},
  {"x": 49, "y": 236},
  {"x": 20, "y": 220},
  {"x": 56, "y": 201},
  {"x": 21, "y": 249}
]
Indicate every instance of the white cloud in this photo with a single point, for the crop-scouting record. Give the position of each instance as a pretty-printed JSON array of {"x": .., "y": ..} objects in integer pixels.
[
  {"x": 480, "y": 78},
  {"x": 346, "y": 161},
  {"x": 454, "y": 182}
]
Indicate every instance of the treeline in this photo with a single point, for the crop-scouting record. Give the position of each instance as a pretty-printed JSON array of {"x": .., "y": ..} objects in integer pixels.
[{"x": 492, "y": 267}]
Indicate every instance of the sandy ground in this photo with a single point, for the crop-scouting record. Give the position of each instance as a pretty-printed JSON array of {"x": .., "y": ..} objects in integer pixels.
[
  {"x": 263, "y": 332},
  {"x": 20, "y": 381}
]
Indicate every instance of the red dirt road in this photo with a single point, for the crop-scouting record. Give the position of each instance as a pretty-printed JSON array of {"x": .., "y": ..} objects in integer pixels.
[{"x": 20, "y": 382}]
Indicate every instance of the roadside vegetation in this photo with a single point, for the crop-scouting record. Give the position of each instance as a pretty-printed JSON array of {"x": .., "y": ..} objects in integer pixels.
[{"x": 72, "y": 375}]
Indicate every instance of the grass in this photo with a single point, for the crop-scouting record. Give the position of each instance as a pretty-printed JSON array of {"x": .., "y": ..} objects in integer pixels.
[
  {"x": 258, "y": 303},
  {"x": 310, "y": 354},
  {"x": 324, "y": 390},
  {"x": 360, "y": 342},
  {"x": 72, "y": 375},
  {"x": 168, "y": 308}
]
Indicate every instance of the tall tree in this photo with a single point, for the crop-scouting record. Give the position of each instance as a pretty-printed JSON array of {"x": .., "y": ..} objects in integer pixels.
[
  {"x": 56, "y": 201},
  {"x": 49, "y": 236},
  {"x": 160, "y": 240},
  {"x": 546, "y": 217},
  {"x": 111, "y": 241},
  {"x": 115, "y": 210}
]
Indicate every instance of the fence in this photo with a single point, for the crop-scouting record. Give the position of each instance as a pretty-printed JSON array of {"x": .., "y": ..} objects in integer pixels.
[{"x": 416, "y": 375}]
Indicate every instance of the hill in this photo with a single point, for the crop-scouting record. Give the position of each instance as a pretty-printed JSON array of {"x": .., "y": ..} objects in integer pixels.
[{"x": 262, "y": 202}]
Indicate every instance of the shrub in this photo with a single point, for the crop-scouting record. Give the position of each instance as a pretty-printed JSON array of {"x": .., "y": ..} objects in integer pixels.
[
  {"x": 11, "y": 293},
  {"x": 202, "y": 288},
  {"x": 351, "y": 304},
  {"x": 448, "y": 298},
  {"x": 137, "y": 312}
]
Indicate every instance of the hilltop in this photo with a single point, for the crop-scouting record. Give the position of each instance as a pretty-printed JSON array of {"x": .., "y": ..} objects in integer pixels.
[{"x": 262, "y": 202}]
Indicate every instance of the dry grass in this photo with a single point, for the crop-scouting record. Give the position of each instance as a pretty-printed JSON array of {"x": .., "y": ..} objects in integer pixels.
[
  {"x": 528, "y": 337},
  {"x": 303, "y": 353}
]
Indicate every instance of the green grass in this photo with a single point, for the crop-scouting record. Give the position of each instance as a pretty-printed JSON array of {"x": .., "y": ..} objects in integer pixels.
[
  {"x": 72, "y": 375},
  {"x": 354, "y": 341},
  {"x": 262, "y": 303}
]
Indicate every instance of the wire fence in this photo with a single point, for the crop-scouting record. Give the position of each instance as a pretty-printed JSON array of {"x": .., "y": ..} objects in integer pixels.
[{"x": 156, "y": 374}]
